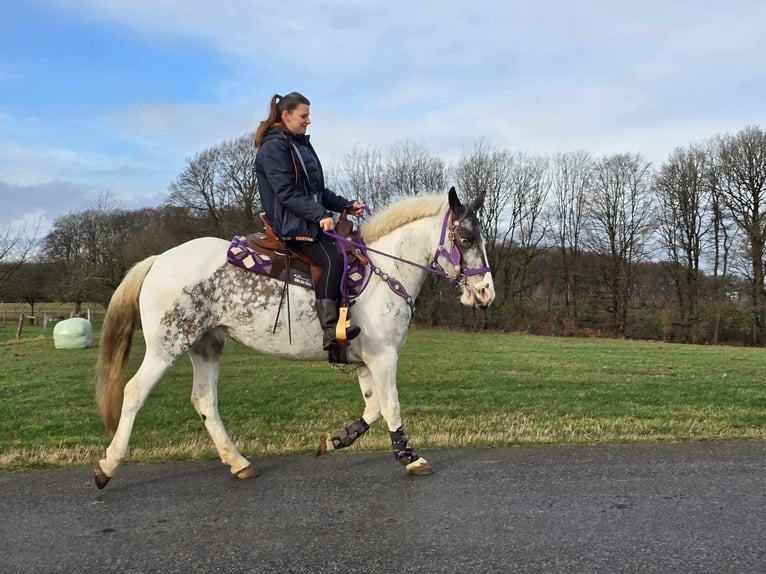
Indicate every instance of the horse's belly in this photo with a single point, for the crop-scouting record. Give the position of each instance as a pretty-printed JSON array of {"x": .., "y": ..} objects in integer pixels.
[
  {"x": 301, "y": 346},
  {"x": 261, "y": 324}
]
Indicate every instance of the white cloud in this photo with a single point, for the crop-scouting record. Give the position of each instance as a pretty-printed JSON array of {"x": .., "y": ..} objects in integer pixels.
[
  {"x": 34, "y": 207},
  {"x": 516, "y": 72},
  {"x": 541, "y": 77},
  {"x": 44, "y": 200},
  {"x": 183, "y": 128}
]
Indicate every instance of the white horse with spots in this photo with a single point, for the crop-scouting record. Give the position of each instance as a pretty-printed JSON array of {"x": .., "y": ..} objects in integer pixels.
[{"x": 190, "y": 299}]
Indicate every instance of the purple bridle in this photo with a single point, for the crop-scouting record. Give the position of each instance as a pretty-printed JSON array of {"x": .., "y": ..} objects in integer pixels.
[{"x": 452, "y": 255}]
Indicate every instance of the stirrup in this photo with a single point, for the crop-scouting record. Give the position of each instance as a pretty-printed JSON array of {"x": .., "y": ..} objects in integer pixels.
[{"x": 344, "y": 332}]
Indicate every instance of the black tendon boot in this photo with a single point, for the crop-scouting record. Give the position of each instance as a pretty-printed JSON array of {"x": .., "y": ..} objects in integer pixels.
[{"x": 327, "y": 310}]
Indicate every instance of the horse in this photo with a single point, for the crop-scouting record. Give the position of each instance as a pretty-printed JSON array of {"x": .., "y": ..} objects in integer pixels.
[{"x": 190, "y": 300}]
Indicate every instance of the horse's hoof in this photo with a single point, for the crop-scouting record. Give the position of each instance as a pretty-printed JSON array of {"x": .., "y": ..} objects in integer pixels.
[
  {"x": 420, "y": 468},
  {"x": 100, "y": 477},
  {"x": 245, "y": 473},
  {"x": 325, "y": 445}
]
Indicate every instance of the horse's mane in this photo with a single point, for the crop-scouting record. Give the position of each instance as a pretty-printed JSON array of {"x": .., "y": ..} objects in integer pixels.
[{"x": 401, "y": 213}]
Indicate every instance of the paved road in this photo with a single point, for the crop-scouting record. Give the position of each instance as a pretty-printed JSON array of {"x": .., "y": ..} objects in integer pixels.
[{"x": 697, "y": 507}]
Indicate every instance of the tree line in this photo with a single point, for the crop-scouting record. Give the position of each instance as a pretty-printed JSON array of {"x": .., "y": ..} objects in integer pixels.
[{"x": 579, "y": 244}]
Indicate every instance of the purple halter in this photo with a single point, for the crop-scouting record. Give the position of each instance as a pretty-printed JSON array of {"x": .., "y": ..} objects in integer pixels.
[{"x": 453, "y": 256}]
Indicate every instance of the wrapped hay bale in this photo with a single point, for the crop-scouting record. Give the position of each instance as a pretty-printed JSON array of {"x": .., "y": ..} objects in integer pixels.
[{"x": 75, "y": 333}]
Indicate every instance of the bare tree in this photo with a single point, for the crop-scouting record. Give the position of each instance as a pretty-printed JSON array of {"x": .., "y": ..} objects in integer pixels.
[
  {"x": 362, "y": 176},
  {"x": 684, "y": 222},
  {"x": 196, "y": 189},
  {"x": 486, "y": 172},
  {"x": 17, "y": 245},
  {"x": 619, "y": 226},
  {"x": 742, "y": 162},
  {"x": 237, "y": 183},
  {"x": 70, "y": 244},
  {"x": 571, "y": 180},
  {"x": 723, "y": 236},
  {"x": 410, "y": 169},
  {"x": 31, "y": 284},
  {"x": 526, "y": 227},
  {"x": 90, "y": 250}
]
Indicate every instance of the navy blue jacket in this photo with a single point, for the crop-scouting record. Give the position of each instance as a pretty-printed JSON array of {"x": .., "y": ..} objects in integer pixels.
[{"x": 294, "y": 200}]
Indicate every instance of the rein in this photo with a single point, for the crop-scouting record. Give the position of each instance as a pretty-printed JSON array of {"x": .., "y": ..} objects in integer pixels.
[{"x": 452, "y": 255}]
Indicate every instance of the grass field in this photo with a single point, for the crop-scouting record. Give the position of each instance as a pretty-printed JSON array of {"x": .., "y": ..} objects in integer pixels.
[{"x": 456, "y": 389}]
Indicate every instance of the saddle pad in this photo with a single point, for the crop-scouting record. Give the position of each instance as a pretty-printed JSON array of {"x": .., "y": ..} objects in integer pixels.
[
  {"x": 242, "y": 255},
  {"x": 239, "y": 253}
]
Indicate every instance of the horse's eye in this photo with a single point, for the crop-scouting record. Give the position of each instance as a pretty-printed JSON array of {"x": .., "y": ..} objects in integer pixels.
[{"x": 464, "y": 241}]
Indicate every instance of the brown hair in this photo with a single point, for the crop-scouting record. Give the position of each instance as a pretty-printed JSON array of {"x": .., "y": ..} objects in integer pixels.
[{"x": 277, "y": 105}]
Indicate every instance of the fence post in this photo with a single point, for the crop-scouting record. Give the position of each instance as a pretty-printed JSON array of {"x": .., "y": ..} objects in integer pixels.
[{"x": 20, "y": 327}]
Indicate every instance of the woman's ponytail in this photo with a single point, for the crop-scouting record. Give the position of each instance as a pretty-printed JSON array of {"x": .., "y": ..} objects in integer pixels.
[
  {"x": 278, "y": 105},
  {"x": 272, "y": 118}
]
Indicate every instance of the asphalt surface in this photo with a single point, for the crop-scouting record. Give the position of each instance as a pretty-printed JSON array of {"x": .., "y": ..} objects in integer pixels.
[{"x": 697, "y": 507}]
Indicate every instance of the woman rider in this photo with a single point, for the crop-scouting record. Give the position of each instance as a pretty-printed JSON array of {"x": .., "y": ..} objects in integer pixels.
[{"x": 297, "y": 203}]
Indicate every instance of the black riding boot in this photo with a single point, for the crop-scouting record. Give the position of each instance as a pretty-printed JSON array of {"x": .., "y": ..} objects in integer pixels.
[{"x": 327, "y": 310}]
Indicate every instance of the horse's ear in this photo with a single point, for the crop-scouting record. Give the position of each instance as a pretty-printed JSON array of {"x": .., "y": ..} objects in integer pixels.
[
  {"x": 454, "y": 202},
  {"x": 478, "y": 203}
]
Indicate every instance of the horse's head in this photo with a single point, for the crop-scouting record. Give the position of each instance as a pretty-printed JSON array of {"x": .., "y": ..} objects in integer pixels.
[{"x": 465, "y": 262}]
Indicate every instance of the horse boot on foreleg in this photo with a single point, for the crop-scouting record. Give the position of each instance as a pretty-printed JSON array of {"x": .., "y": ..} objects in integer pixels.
[
  {"x": 341, "y": 438},
  {"x": 406, "y": 455}
]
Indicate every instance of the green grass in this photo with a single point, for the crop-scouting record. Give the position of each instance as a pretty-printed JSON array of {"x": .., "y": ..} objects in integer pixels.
[{"x": 456, "y": 389}]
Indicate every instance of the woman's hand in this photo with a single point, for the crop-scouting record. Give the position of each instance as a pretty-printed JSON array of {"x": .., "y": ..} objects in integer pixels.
[
  {"x": 356, "y": 209},
  {"x": 327, "y": 224}
]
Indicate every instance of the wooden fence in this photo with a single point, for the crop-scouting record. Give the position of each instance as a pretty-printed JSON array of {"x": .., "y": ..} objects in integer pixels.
[{"x": 44, "y": 320}]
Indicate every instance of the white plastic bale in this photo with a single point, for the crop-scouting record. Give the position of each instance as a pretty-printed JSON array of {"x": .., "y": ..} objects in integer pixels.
[{"x": 75, "y": 333}]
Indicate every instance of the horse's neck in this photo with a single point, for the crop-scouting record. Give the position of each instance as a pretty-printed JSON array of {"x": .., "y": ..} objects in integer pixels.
[{"x": 416, "y": 242}]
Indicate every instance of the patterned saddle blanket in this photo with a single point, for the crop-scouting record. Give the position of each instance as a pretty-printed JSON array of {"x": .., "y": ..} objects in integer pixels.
[{"x": 265, "y": 254}]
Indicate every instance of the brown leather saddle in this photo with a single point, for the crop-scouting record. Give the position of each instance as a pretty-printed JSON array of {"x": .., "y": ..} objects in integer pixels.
[{"x": 301, "y": 267}]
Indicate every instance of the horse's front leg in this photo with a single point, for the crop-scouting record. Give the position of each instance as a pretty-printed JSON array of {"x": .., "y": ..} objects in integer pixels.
[
  {"x": 383, "y": 370},
  {"x": 343, "y": 437}
]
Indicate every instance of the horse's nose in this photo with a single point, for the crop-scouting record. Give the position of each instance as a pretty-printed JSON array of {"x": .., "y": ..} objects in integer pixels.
[{"x": 485, "y": 295}]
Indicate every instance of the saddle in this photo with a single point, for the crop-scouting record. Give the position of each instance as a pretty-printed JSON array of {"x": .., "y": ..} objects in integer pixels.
[{"x": 269, "y": 245}]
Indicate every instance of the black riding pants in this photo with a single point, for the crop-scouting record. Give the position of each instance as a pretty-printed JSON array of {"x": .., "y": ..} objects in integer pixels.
[{"x": 324, "y": 252}]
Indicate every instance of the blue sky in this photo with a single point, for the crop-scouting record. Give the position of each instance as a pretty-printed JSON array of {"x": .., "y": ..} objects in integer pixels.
[{"x": 108, "y": 97}]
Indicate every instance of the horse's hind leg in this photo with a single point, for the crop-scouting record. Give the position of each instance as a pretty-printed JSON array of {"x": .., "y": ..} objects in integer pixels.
[
  {"x": 136, "y": 391},
  {"x": 206, "y": 359}
]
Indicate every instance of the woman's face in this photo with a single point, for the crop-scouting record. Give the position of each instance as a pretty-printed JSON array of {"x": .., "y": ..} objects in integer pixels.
[{"x": 297, "y": 119}]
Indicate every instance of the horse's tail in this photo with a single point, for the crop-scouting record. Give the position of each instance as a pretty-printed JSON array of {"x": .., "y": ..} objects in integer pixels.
[{"x": 116, "y": 338}]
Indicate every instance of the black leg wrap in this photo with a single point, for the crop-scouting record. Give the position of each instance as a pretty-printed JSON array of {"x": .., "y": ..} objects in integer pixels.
[
  {"x": 342, "y": 438},
  {"x": 402, "y": 450},
  {"x": 337, "y": 355}
]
